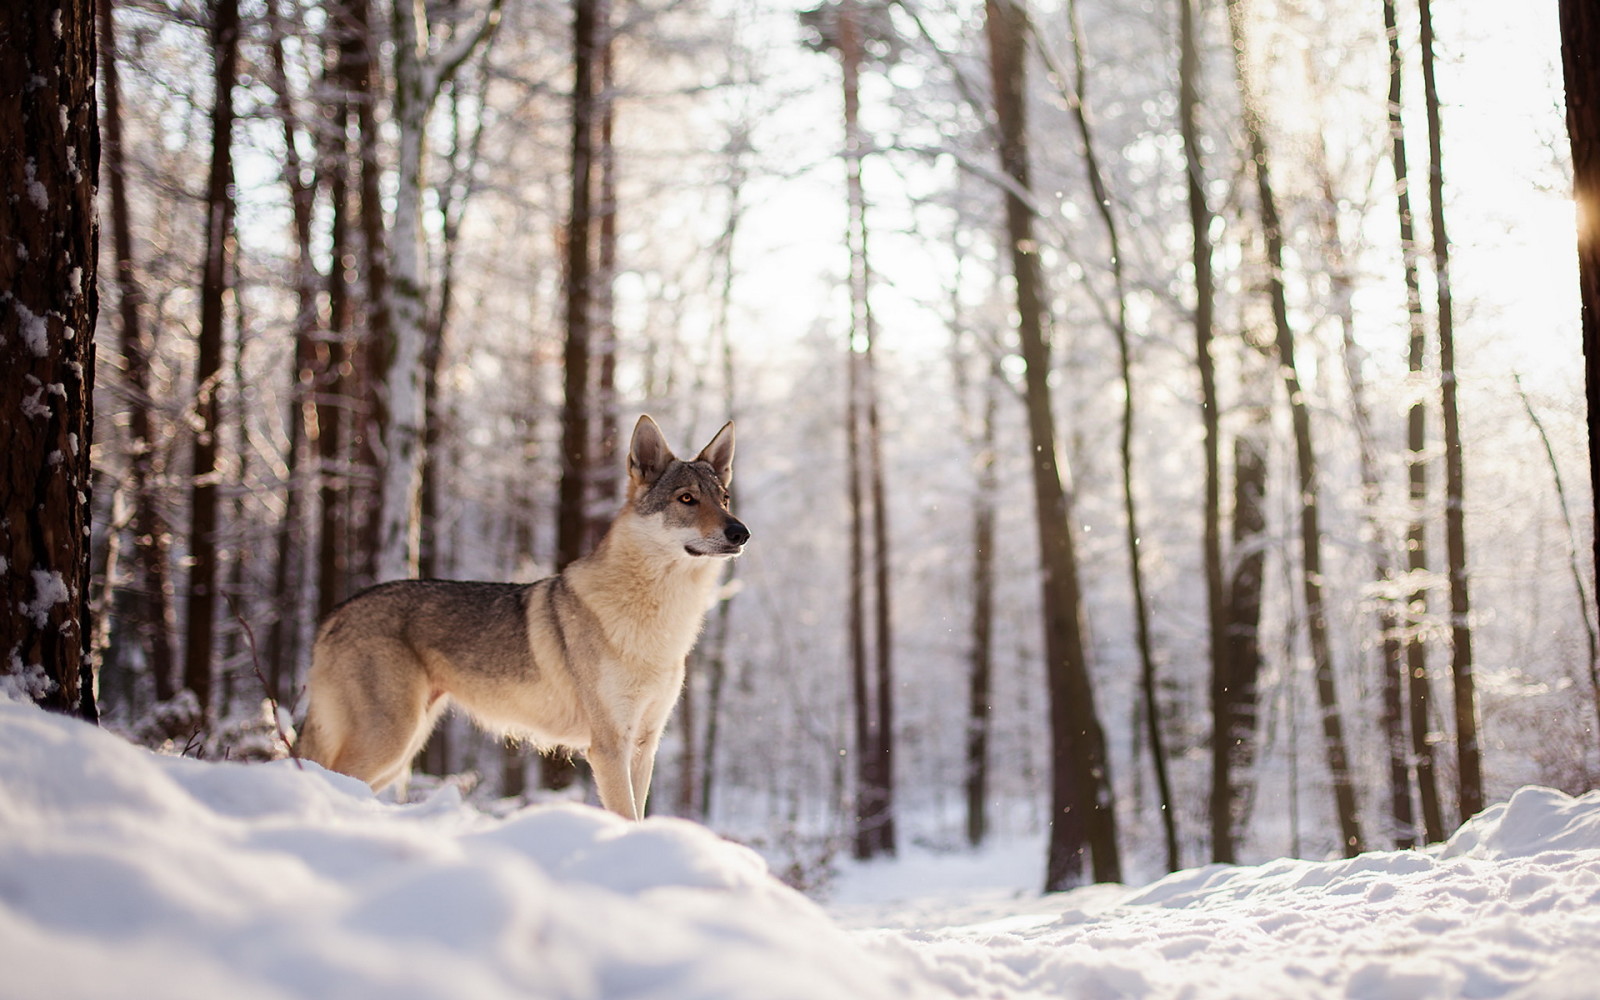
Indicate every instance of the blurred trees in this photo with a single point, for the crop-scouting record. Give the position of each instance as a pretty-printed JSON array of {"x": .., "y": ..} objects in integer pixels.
[{"x": 449, "y": 273}]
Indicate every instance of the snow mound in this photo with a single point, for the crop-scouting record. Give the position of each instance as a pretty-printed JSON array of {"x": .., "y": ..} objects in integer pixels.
[
  {"x": 125, "y": 873},
  {"x": 1533, "y": 821},
  {"x": 1509, "y": 907}
]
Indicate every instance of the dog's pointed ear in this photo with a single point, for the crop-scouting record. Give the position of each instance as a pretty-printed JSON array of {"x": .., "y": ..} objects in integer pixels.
[
  {"x": 719, "y": 454},
  {"x": 648, "y": 454}
]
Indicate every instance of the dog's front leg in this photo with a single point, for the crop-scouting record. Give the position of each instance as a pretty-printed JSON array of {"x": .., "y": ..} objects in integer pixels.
[
  {"x": 643, "y": 766},
  {"x": 609, "y": 759}
]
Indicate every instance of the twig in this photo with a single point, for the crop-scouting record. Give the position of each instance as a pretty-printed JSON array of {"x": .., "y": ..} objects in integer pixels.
[{"x": 272, "y": 696}]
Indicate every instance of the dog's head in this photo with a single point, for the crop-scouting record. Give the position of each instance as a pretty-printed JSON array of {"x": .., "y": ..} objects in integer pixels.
[{"x": 689, "y": 498}]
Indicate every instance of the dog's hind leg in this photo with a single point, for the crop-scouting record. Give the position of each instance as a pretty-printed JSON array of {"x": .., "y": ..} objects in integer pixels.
[{"x": 369, "y": 708}]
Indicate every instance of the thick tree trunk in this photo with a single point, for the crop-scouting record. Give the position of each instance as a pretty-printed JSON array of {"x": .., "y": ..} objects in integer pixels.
[
  {"x": 1580, "y": 59},
  {"x": 1469, "y": 757},
  {"x": 1083, "y": 807},
  {"x": 48, "y": 259}
]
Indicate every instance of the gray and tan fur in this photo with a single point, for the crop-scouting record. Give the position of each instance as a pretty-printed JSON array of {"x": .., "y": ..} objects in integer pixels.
[{"x": 591, "y": 659}]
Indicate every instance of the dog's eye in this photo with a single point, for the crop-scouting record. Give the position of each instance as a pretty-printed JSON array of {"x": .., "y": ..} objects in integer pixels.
[{"x": 686, "y": 498}]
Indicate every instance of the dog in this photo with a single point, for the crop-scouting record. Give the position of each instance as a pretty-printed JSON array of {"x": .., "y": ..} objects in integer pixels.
[{"x": 591, "y": 659}]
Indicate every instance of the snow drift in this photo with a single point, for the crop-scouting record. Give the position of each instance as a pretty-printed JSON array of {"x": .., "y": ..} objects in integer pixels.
[{"x": 127, "y": 874}]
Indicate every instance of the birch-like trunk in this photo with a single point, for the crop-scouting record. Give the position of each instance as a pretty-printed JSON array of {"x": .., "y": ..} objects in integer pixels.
[{"x": 418, "y": 75}]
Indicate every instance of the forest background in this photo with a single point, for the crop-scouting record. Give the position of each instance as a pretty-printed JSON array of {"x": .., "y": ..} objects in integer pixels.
[{"x": 1278, "y": 296}]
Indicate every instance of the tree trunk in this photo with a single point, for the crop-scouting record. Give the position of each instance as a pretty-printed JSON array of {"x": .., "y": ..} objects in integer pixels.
[
  {"x": 872, "y": 682},
  {"x": 371, "y": 341},
  {"x": 198, "y": 671},
  {"x": 715, "y": 647},
  {"x": 419, "y": 74},
  {"x": 1418, "y": 693},
  {"x": 404, "y": 409},
  {"x": 48, "y": 245},
  {"x": 981, "y": 657},
  {"x": 1241, "y": 614},
  {"x": 1078, "y": 101},
  {"x": 283, "y": 648},
  {"x": 1083, "y": 807},
  {"x": 589, "y": 30},
  {"x": 1469, "y": 758},
  {"x": 1224, "y": 796},
  {"x": 152, "y": 534},
  {"x": 1580, "y": 59},
  {"x": 1402, "y": 820},
  {"x": 1310, "y": 527}
]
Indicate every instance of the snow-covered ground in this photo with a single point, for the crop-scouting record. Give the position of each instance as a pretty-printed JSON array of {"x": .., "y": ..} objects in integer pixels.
[{"x": 128, "y": 874}]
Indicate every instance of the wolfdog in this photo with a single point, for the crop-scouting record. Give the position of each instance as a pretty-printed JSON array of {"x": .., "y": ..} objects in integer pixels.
[{"x": 591, "y": 659}]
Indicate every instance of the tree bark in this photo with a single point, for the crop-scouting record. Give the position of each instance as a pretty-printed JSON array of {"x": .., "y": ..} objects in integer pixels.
[
  {"x": 419, "y": 74},
  {"x": 1580, "y": 60},
  {"x": 1469, "y": 757},
  {"x": 1083, "y": 807},
  {"x": 48, "y": 302}
]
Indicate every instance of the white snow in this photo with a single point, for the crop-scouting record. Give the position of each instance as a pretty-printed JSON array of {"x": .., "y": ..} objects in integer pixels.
[
  {"x": 126, "y": 874},
  {"x": 35, "y": 333},
  {"x": 49, "y": 589}
]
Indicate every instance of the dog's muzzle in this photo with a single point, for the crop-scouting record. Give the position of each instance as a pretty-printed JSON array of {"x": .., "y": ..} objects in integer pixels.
[{"x": 735, "y": 532}]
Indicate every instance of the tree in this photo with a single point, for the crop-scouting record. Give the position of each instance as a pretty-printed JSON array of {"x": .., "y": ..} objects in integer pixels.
[
  {"x": 1077, "y": 100},
  {"x": 1418, "y": 689},
  {"x": 1311, "y": 574},
  {"x": 1082, "y": 804},
  {"x": 1469, "y": 757},
  {"x": 151, "y": 532},
  {"x": 282, "y": 647},
  {"x": 198, "y": 672},
  {"x": 860, "y": 31},
  {"x": 1223, "y": 691},
  {"x": 49, "y": 239},
  {"x": 591, "y": 36},
  {"x": 1580, "y": 59},
  {"x": 419, "y": 75}
]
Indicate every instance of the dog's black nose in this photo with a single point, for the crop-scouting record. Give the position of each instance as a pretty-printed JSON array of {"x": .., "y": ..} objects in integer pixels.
[{"x": 736, "y": 532}]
